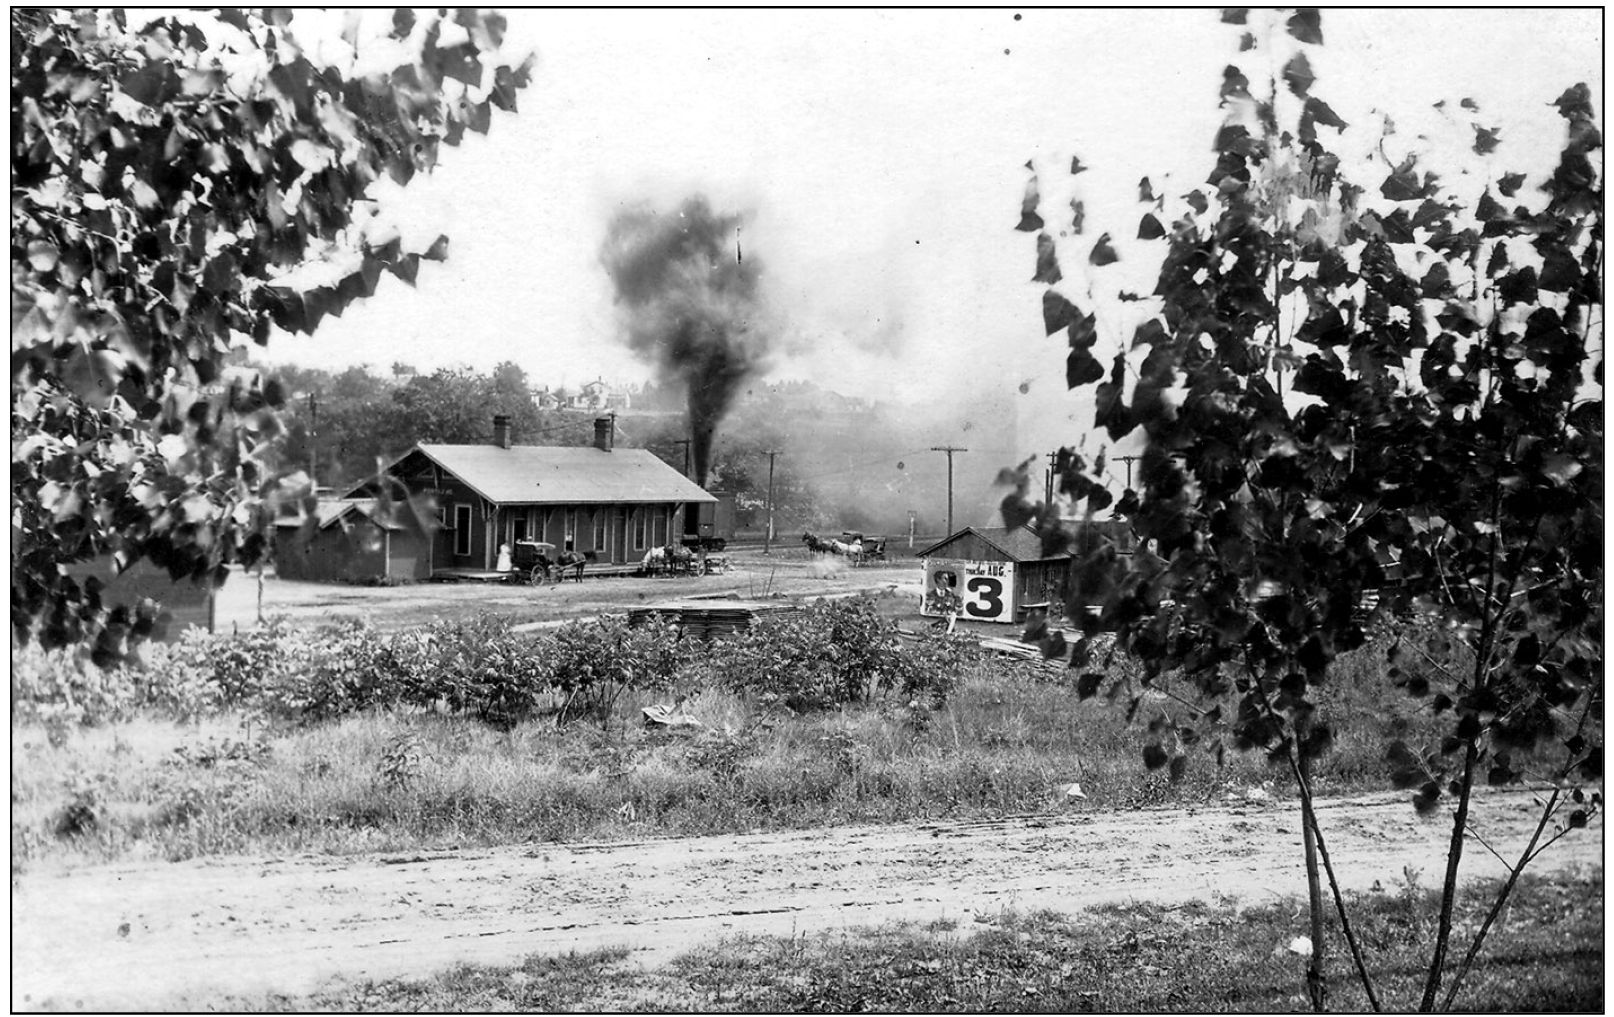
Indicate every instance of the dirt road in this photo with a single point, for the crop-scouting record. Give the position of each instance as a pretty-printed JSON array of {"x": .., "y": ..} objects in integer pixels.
[
  {"x": 788, "y": 574},
  {"x": 182, "y": 935}
]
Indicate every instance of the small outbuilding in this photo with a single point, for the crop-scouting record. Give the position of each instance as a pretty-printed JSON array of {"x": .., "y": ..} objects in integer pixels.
[
  {"x": 994, "y": 574},
  {"x": 350, "y": 540}
]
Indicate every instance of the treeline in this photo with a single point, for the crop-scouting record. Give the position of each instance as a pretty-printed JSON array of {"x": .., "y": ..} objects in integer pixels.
[{"x": 341, "y": 425}]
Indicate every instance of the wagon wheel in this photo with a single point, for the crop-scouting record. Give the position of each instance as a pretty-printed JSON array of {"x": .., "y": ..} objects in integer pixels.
[{"x": 540, "y": 575}]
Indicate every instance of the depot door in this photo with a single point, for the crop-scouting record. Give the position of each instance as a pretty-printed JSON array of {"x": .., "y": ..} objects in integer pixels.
[{"x": 619, "y": 535}]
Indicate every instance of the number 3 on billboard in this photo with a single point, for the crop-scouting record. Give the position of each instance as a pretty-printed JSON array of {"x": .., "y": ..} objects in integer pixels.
[{"x": 985, "y": 598}]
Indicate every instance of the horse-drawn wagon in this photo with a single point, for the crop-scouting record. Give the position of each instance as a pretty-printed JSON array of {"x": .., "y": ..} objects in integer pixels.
[
  {"x": 537, "y": 563},
  {"x": 873, "y": 546},
  {"x": 855, "y": 547}
]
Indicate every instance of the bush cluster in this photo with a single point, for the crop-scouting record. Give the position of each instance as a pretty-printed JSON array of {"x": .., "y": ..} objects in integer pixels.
[
  {"x": 59, "y": 690},
  {"x": 823, "y": 656},
  {"x": 839, "y": 652}
]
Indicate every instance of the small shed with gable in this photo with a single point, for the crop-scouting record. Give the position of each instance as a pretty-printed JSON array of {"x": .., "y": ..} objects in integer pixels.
[
  {"x": 351, "y": 540},
  {"x": 993, "y": 574}
]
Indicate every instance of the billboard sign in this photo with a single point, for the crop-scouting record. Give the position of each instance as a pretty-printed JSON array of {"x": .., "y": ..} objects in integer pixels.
[{"x": 978, "y": 590}]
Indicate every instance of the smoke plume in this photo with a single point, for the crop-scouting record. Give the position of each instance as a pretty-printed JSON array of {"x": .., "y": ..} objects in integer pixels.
[{"x": 688, "y": 300}]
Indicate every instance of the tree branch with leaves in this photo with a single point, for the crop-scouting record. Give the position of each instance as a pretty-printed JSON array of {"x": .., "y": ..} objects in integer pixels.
[
  {"x": 171, "y": 174},
  {"x": 1365, "y": 410}
]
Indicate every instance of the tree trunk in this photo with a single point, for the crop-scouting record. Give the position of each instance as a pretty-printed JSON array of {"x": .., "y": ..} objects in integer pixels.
[
  {"x": 1316, "y": 980},
  {"x": 1448, "y": 891}
]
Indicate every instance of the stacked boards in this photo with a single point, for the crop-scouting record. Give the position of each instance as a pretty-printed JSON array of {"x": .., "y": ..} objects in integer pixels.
[{"x": 707, "y": 619}]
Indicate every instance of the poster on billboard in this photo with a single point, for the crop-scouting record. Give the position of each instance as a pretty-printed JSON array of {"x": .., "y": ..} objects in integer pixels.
[{"x": 978, "y": 590}]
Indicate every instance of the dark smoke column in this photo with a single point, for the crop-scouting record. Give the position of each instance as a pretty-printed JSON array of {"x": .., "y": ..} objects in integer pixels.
[{"x": 689, "y": 305}]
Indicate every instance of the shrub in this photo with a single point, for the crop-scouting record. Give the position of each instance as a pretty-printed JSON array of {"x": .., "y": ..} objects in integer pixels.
[
  {"x": 835, "y": 653},
  {"x": 61, "y": 690},
  {"x": 179, "y": 678},
  {"x": 792, "y": 660},
  {"x": 590, "y": 664},
  {"x": 203, "y": 672},
  {"x": 402, "y": 761},
  {"x": 82, "y": 813},
  {"x": 335, "y": 669},
  {"x": 242, "y": 662},
  {"x": 927, "y": 672},
  {"x": 721, "y": 753},
  {"x": 475, "y": 666}
]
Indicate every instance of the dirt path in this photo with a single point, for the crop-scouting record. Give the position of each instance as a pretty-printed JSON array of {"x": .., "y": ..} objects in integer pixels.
[
  {"x": 181, "y": 935},
  {"x": 789, "y": 574}
]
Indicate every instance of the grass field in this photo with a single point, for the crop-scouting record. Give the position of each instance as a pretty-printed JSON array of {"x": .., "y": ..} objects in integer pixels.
[
  {"x": 1136, "y": 958},
  {"x": 1011, "y": 740}
]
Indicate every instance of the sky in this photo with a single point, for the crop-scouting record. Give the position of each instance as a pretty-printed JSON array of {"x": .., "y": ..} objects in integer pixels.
[{"x": 881, "y": 157}]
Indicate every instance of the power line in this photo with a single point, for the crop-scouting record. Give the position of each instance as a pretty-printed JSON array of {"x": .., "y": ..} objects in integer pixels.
[{"x": 858, "y": 466}]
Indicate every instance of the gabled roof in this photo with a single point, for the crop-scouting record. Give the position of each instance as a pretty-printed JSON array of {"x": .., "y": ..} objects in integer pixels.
[
  {"x": 1019, "y": 543},
  {"x": 330, "y": 511},
  {"x": 527, "y": 474}
]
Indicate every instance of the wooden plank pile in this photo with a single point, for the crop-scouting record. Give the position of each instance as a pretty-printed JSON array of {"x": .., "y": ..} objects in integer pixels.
[{"x": 707, "y": 619}]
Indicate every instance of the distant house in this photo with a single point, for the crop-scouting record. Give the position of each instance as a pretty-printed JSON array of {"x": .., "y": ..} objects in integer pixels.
[
  {"x": 609, "y": 503},
  {"x": 996, "y": 573},
  {"x": 597, "y": 396},
  {"x": 351, "y": 540},
  {"x": 592, "y": 396}
]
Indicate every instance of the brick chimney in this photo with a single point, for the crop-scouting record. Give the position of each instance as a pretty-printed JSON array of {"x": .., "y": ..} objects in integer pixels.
[
  {"x": 605, "y": 433},
  {"x": 501, "y": 430}
]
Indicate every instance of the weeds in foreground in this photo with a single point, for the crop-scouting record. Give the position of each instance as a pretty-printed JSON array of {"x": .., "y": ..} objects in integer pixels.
[{"x": 1008, "y": 739}]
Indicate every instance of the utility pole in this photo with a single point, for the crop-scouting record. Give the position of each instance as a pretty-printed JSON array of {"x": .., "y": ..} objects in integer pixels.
[
  {"x": 1048, "y": 479},
  {"x": 767, "y": 536},
  {"x": 313, "y": 453},
  {"x": 684, "y": 442},
  {"x": 910, "y": 528},
  {"x": 1129, "y": 460},
  {"x": 949, "y": 449}
]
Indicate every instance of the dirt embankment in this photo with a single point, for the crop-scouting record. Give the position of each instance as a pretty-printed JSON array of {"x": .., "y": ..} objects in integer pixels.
[{"x": 155, "y": 936}]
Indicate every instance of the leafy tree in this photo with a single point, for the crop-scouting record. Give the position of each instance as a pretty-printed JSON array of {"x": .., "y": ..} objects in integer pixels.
[
  {"x": 348, "y": 422},
  {"x": 457, "y": 406},
  {"x": 1363, "y": 406},
  {"x": 341, "y": 418},
  {"x": 169, "y": 173}
]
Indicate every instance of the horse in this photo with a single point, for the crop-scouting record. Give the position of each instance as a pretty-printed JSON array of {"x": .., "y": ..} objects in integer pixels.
[
  {"x": 821, "y": 545},
  {"x": 654, "y": 563},
  {"x": 570, "y": 561},
  {"x": 557, "y": 567},
  {"x": 669, "y": 559}
]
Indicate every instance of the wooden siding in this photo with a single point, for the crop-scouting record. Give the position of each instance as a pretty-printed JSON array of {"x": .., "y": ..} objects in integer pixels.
[
  {"x": 362, "y": 552},
  {"x": 547, "y": 523},
  {"x": 1042, "y": 581}
]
